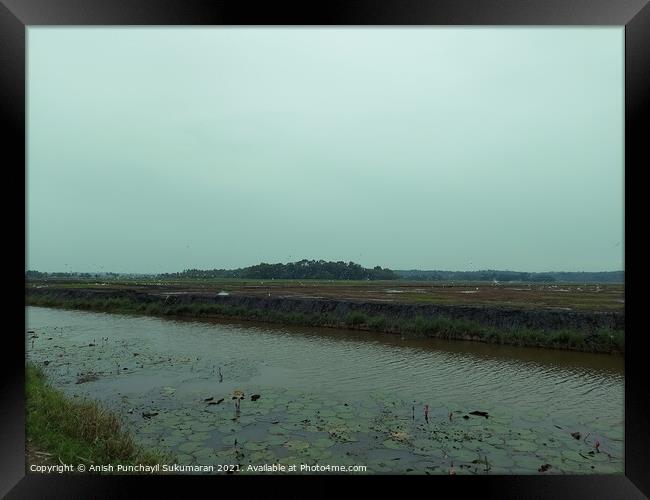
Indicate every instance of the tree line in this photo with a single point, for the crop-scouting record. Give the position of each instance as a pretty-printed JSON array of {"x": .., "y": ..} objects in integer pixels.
[
  {"x": 504, "y": 276},
  {"x": 328, "y": 270},
  {"x": 303, "y": 269}
]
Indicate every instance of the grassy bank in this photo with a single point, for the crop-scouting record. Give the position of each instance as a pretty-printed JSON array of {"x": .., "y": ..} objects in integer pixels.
[
  {"x": 603, "y": 340},
  {"x": 74, "y": 432}
]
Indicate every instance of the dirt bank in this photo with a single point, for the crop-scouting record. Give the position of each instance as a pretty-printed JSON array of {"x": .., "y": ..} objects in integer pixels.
[{"x": 493, "y": 316}]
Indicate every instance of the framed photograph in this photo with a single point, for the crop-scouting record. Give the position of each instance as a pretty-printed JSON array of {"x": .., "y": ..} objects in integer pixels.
[{"x": 350, "y": 240}]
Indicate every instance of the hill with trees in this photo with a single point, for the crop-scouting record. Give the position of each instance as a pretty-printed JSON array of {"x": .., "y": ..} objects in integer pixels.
[{"x": 303, "y": 269}]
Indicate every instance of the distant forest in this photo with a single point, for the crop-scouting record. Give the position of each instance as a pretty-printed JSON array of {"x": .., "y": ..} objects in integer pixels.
[
  {"x": 304, "y": 269},
  {"x": 320, "y": 269},
  {"x": 491, "y": 275}
]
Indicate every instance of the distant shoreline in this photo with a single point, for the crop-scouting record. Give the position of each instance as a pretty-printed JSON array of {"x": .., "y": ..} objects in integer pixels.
[
  {"x": 571, "y": 330},
  {"x": 340, "y": 271}
]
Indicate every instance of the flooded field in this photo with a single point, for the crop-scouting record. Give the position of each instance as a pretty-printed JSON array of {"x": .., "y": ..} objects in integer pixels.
[
  {"x": 544, "y": 296},
  {"x": 323, "y": 396}
]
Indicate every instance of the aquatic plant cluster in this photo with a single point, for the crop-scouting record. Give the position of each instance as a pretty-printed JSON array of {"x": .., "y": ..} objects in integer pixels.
[
  {"x": 212, "y": 407},
  {"x": 601, "y": 340},
  {"x": 292, "y": 428}
]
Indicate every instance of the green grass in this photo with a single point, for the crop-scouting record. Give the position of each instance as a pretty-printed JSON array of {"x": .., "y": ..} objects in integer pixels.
[
  {"x": 438, "y": 326},
  {"x": 356, "y": 319},
  {"x": 78, "y": 431}
]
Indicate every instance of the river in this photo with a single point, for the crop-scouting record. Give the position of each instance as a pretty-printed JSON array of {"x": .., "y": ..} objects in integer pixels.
[{"x": 338, "y": 397}]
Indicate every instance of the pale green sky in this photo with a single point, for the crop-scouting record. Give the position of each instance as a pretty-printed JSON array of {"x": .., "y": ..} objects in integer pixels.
[{"x": 160, "y": 149}]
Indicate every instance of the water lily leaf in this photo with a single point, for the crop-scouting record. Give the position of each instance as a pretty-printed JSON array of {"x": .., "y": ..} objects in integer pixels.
[
  {"x": 381, "y": 467},
  {"x": 173, "y": 440},
  {"x": 574, "y": 456},
  {"x": 261, "y": 457},
  {"x": 548, "y": 443},
  {"x": 254, "y": 446},
  {"x": 274, "y": 440},
  {"x": 291, "y": 426},
  {"x": 394, "y": 445},
  {"x": 288, "y": 461},
  {"x": 189, "y": 447},
  {"x": 230, "y": 440},
  {"x": 202, "y": 426},
  {"x": 296, "y": 445},
  {"x": 199, "y": 436},
  {"x": 521, "y": 445},
  {"x": 229, "y": 428},
  {"x": 463, "y": 455},
  {"x": 204, "y": 456},
  {"x": 246, "y": 420},
  {"x": 324, "y": 443}
]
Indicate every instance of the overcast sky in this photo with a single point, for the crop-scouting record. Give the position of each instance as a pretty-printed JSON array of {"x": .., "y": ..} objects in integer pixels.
[{"x": 161, "y": 149}]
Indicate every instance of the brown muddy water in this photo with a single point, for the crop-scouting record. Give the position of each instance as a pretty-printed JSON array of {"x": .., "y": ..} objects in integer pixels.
[{"x": 337, "y": 397}]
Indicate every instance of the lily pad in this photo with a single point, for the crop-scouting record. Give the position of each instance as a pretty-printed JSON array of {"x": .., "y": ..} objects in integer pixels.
[
  {"x": 189, "y": 447},
  {"x": 521, "y": 445},
  {"x": 173, "y": 441},
  {"x": 548, "y": 443},
  {"x": 288, "y": 461},
  {"x": 230, "y": 440},
  {"x": 274, "y": 440},
  {"x": 202, "y": 426},
  {"x": 393, "y": 444},
  {"x": 296, "y": 445},
  {"x": 255, "y": 446},
  {"x": 264, "y": 455},
  {"x": 291, "y": 426},
  {"x": 529, "y": 463},
  {"x": 323, "y": 443},
  {"x": 573, "y": 456},
  {"x": 204, "y": 456},
  {"x": 381, "y": 466},
  {"x": 199, "y": 436},
  {"x": 462, "y": 455},
  {"x": 247, "y": 420},
  {"x": 224, "y": 457},
  {"x": 229, "y": 428}
]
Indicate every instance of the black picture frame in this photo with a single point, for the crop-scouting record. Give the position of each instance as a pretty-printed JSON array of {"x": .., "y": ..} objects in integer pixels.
[{"x": 17, "y": 15}]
